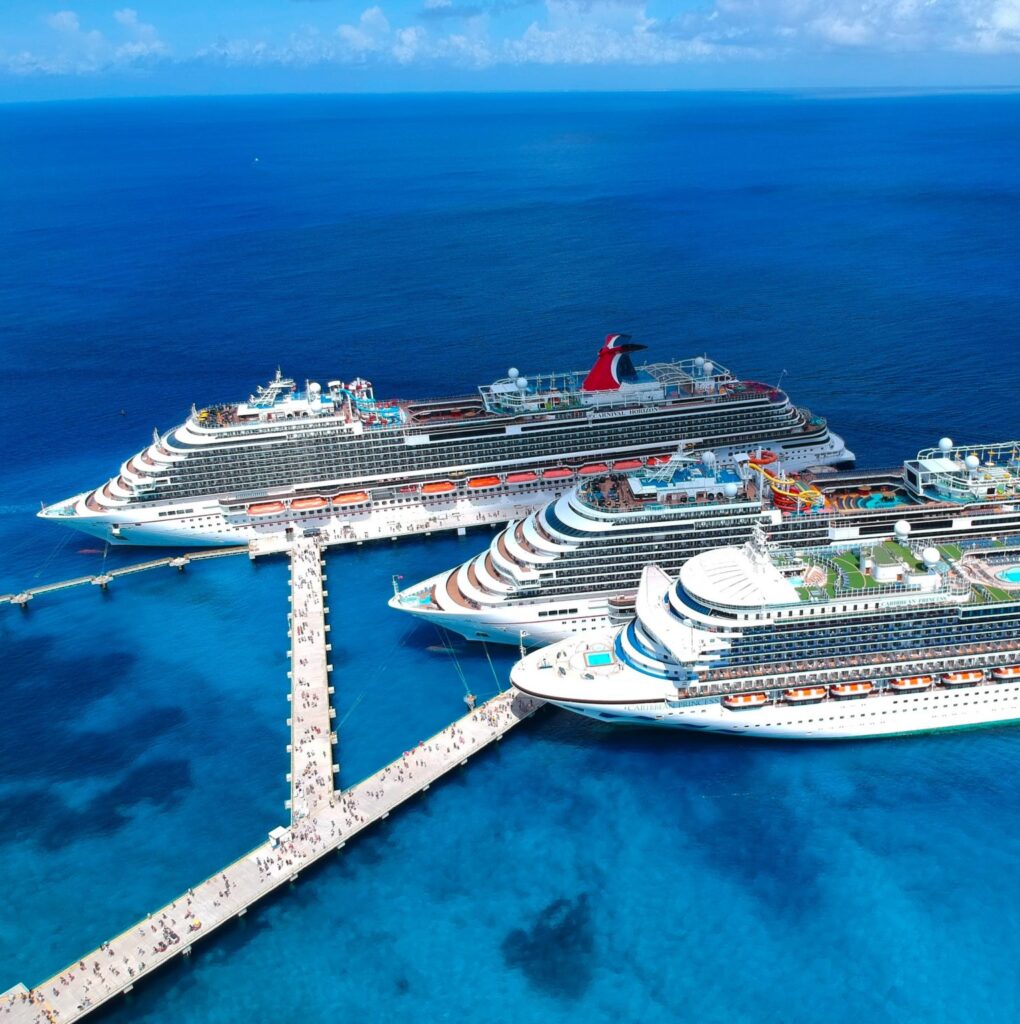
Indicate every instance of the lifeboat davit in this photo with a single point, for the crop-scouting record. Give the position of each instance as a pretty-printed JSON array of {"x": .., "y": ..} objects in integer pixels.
[
  {"x": 628, "y": 464},
  {"x": 478, "y": 483},
  {"x": 1007, "y": 674},
  {"x": 595, "y": 467},
  {"x": 521, "y": 478},
  {"x": 438, "y": 487},
  {"x": 557, "y": 474},
  {"x": 805, "y": 695},
  {"x": 762, "y": 457},
  {"x": 971, "y": 678},
  {"x": 657, "y": 460},
  {"x": 848, "y": 691},
  {"x": 745, "y": 701},
  {"x": 305, "y": 503},
  {"x": 910, "y": 684},
  {"x": 409, "y": 489},
  {"x": 351, "y": 498}
]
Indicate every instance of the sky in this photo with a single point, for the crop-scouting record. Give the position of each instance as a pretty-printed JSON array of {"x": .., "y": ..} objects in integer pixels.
[{"x": 97, "y": 48}]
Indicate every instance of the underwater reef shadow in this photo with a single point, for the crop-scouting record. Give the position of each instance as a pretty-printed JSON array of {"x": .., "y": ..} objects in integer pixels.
[{"x": 555, "y": 953}]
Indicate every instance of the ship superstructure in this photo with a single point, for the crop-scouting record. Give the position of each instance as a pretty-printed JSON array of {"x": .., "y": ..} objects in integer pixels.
[
  {"x": 872, "y": 640},
  {"x": 338, "y": 460},
  {"x": 574, "y": 565}
]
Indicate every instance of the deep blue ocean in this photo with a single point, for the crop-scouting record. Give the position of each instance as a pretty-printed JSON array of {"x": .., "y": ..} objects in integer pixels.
[{"x": 162, "y": 252}]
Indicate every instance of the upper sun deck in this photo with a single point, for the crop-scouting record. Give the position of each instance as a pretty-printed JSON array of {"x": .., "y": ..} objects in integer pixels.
[
  {"x": 281, "y": 400},
  {"x": 678, "y": 482},
  {"x": 649, "y": 383},
  {"x": 962, "y": 474},
  {"x": 758, "y": 579}
]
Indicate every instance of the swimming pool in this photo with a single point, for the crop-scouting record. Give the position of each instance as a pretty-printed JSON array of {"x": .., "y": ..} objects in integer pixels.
[
  {"x": 595, "y": 659},
  {"x": 1010, "y": 575}
]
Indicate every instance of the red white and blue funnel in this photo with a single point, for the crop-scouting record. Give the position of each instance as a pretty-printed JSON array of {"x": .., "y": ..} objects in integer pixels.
[{"x": 613, "y": 365}]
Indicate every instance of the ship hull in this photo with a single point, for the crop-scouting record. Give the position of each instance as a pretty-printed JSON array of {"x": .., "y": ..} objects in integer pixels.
[
  {"x": 211, "y": 522},
  {"x": 883, "y": 715}
]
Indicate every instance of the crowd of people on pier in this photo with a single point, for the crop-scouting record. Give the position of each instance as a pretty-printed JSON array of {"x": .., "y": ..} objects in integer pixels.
[{"x": 310, "y": 741}]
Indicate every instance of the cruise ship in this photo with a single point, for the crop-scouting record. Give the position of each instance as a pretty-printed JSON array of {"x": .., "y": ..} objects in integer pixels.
[
  {"x": 878, "y": 639},
  {"x": 574, "y": 565},
  {"x": 337, "y": 460}
]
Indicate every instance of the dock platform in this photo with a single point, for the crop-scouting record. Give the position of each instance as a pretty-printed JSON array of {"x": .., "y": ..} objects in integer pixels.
[{"x": 322, "y": 820}]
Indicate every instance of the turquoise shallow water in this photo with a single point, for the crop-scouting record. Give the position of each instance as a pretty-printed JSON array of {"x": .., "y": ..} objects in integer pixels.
[{"x": 868, "y": 247}]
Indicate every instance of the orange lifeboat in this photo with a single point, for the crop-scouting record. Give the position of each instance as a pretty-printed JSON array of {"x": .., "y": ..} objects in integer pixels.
[
  {"x": 521, "y": 478},
  {"x": 848, "y": 691},
  {"x": 479, "y": 482},
  {"x": 266, "y": 508},
  {"x": 911, "y": 684},
  {"x": 557, "y": 474},
  {"x": 595, "y": 467},
  {"x": 628, "y": 464},
  {"x": 350, "y": 498},
  {"x": 1007, "y": 674},
  {"x": 744, "y": 701},
  {"x": 657, "y": 460},
  {"x": 304, "y": 503},
  {"x": 438, "y": 487},
  {"x": 971, "y": 678},
  {"x": 805, "y": 695},
  {"x": 762, "y": 457}
]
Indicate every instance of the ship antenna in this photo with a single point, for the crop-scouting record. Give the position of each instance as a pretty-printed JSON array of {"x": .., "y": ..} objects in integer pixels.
[
  {"x": 758, "y": 545},
  {"x": 779, "y": 383},
  {"x": 524, "y": 633}
]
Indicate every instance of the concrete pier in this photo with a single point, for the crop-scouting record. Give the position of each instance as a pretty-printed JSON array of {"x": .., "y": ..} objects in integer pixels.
[
  {"x": 322, "y": 820},
  {"x": 311, "y": 716}
]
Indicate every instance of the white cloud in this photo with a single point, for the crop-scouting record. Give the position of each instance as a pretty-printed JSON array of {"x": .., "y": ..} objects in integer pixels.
[
  {"x": 63, "y": 21},
  {"x": 78, "y": 50},
  {"x": 466, "y": 33},
  {"x": 369, "y": 35}
]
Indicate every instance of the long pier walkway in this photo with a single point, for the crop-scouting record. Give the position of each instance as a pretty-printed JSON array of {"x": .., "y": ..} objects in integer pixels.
[
  {"x": 311, "y": 722},
  {"x": 322, "y": 820}
]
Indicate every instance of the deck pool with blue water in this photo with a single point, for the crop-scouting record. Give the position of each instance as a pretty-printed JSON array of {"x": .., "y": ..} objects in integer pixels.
[{"x": 596, "y": 659}]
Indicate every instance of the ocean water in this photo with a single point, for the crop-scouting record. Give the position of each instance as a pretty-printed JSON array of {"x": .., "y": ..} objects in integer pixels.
[{"x": 156, "y": 253}]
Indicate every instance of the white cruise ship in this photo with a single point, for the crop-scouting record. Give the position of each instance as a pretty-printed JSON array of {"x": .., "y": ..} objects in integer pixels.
[
  {"x": 573, "y": 566},
  {"x": 337, "y": 460},
  {"x": 873, "y": 640}
]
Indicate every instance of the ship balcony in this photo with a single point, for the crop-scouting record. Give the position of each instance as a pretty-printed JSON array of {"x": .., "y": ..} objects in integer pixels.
[
  {"x": 520, "y": 572},
  {"x": 543, "y": 547},
  {"x": 487, "y": 577},
  {"x": 468, "y": 586},
  {"x": 850, "y": 669},
  {"x": 453, "y": 593}
]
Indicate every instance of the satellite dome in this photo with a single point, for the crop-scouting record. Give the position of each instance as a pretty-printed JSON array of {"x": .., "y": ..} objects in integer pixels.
[
  {"x": 946, "y": 445},
  {"x": 931, "y": 557},
  {"x": 730, "y": 489},
  {"x": 513, "y": 373},
  {"x": 708, "y": 458},
  {"x": 709, "y": 369},
  {"x": 699, "y": 361},
  {"x": 972, "y": 461},
  {"x": 314, "y": 388},
  {"x": 902, "y": 528},
  {"x": 522, "y": 383}
]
